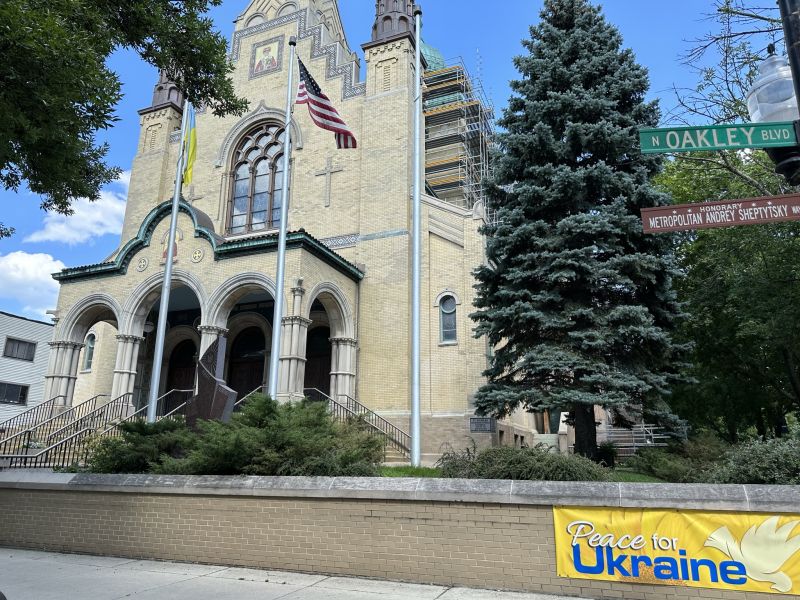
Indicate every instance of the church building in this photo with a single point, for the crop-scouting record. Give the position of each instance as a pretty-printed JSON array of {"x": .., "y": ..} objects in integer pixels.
[{"x": 346, "y": 330}]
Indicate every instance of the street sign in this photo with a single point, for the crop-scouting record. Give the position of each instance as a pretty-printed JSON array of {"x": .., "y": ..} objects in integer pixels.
[
  {"x": 726, "y": 213},
  {"x": 718, "y": 137}
]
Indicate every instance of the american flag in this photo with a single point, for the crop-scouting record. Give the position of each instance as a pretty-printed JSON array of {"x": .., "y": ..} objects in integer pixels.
[{"x": 322, "y": 111}]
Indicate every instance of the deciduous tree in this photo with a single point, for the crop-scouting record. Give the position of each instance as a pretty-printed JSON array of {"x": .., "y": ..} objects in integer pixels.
[{"x": 56, "y": 90}]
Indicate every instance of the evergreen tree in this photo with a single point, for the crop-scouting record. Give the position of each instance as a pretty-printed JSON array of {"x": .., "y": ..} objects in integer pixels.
[{"x": 575, "y": 299}]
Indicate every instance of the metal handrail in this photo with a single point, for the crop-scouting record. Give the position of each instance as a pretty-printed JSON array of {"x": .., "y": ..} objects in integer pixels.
[
  {"x": 71, "y": 452},
  {"x": 103, "y": 413},
  {"x": 395, "y": 436},
  {"x": 22, "y": 439},
  {"x": 143, "y": 412},
  {"x": 247, "y": 396},
  {"x": 31, "y": 414}
]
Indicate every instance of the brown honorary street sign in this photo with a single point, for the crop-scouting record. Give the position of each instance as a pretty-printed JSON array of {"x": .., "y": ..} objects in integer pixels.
[{"x": 726, "y": 213}]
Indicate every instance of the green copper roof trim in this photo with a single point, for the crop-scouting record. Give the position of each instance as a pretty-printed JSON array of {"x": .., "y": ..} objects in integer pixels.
[
  {"x": 119, "y": 266},
  {"x": 222, "y": 250},
  {"x": 294, "y": 239}
]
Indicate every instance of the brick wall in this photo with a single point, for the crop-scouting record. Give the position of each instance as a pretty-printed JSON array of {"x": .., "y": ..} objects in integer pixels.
[{"x": 486, "y": 534}]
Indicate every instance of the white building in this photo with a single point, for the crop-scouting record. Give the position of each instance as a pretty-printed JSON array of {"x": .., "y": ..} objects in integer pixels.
[{"x": 23, "y": 363}]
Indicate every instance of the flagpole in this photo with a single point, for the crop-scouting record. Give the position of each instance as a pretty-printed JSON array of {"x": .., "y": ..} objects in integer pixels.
[
  {"x": 152, "y": 403},
  {"x": 277, "y": 315},
  {"x": 416, "y": 268}
]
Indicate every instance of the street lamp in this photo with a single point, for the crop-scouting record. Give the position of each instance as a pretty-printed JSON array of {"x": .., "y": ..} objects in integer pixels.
[{"x": 772, "y": 99}]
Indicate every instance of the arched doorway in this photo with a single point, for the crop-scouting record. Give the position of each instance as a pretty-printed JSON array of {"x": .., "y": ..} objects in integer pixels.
[
  {"x": 318, "y": 360},
  {"x": 181, "y": 372},
  {"x": 181, "y": 345},
  {"x": 246, "y": 367}
]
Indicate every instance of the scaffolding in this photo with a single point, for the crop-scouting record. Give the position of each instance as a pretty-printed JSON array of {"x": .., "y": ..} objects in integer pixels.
[{"x": 459, "y": 132}]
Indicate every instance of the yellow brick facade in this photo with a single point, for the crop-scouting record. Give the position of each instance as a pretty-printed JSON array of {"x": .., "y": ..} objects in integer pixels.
[{"x": 366, "y": 220}]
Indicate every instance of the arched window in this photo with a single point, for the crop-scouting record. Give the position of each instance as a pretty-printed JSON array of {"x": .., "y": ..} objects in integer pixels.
[
  {"x": 257, "y": 177},
  {"x": 88, "y": 352},
  {"x": 447, "y": 320}
]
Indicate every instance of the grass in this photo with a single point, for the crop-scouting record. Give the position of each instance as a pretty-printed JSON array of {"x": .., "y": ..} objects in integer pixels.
[
  {"x": 622, "y": 476},
  {"x": 410, "y": 472}
]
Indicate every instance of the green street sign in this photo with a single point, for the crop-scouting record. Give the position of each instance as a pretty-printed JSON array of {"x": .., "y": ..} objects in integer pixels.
[{"x": 718, "y": 137}]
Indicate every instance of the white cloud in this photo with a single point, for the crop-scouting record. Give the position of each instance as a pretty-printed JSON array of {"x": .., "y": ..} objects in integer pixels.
[
  {"x": 26, "y": 278},
  {"x": 89, "y": 219}
]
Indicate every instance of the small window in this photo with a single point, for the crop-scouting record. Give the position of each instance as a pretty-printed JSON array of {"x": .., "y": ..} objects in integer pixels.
[
  {"x": 19, "y": 349},
  {"x": 88, "y": 353},
  {"x": 447, "y": 310},
  {"x": 11, "y": 393}
]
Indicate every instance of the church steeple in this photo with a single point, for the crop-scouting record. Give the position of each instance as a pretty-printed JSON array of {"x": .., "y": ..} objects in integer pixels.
[
  {"x": 394, "y": 19},
  {"x": 165, "y": 93}
]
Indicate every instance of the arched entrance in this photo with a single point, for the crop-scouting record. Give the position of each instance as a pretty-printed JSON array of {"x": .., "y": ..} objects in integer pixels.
[
  {"x": 319, "y": 353},
  {"x": 181, "y": 372},
  {"x": 181, "y": 345},
  {"x": 330, "y": 347},
  {"x": 246, "y": 369}
]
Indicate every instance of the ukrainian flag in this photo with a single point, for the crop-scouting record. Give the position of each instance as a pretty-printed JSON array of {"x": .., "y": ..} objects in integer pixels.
[{"x": 189, "y": 145}]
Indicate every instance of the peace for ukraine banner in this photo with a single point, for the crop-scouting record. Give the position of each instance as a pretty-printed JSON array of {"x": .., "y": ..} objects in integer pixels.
[{"x": 718, "y": 550}]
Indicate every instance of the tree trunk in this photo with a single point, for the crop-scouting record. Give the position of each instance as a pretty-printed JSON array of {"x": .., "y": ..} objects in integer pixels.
[{"x": 585, "y": 431}]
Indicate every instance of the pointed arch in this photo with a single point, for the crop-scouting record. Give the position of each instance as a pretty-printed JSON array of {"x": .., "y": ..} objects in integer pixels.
[{"x": 246, "y": 123}]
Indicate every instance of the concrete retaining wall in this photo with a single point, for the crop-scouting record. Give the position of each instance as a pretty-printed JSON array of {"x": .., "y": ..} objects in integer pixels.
[{"x": 484, "y": 534}]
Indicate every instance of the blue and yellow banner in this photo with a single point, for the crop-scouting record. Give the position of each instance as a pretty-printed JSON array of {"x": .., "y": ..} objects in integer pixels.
[
  {"x": 750, "y": 552},
  {"x": 189, "y": 145}
]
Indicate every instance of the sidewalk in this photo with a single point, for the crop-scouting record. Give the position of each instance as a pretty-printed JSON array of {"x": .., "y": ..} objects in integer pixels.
[{"x": 28, "y": 575}]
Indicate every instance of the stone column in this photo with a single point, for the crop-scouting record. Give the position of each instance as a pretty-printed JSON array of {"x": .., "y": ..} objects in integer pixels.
[
  {"x": 293, "y": 355},
  {"x": 62, "y": 371},
  {"x": 208, "y": 335},
  {"x": 126, "y": 365},
  {"x": 293, "y": 347},
  {"x": 343, "y": 367}
]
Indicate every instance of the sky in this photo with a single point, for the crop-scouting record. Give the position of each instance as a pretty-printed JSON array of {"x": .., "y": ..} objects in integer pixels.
[{"x": 486, "y": 35}]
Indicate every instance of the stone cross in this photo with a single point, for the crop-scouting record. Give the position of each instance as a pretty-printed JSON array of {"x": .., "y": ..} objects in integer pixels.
[{"x": 328, "y": 173}]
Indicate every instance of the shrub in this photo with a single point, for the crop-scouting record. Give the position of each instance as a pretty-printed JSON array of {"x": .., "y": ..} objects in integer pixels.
[
  {"x": 607, "y": 454},
  {"x": 683, "y": 461},
  {"x": 537, "y": 463},
  {"x": 772, "y": 462},
  {"x": 268, "y": 438},
  {"x": 142, "y": 447},
  {"x": 663, "y": 464}
]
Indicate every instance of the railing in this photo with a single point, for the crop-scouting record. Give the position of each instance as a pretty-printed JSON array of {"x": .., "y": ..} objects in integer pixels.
[
  {"x": 239, "y": 403},
  {"x": 72, "y": 451},
  {"x": 32, "y": 416},
  {"x": 141, "y": 414},
  {"x": 346, "y": 407},
  {"x": 39, "y": 432},
  {"x": 110, "y": 412},
  {"x": 629, "y": 441}
]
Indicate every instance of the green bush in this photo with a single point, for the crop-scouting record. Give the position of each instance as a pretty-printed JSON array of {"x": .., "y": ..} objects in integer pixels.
[
  {"x": 266, "y": 438},
  {"x": 663, "y": 464},
  {"x": 607, "y": 454},
  {"x": 537, "y": 463},
  {"x": 142, "y": 447},
  {"x": 687, "y": 461},
  {"x": 772, "y": 462}
]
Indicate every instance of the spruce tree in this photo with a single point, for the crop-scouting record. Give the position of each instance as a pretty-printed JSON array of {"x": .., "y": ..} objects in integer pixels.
[{"x": 576, "y": 301}]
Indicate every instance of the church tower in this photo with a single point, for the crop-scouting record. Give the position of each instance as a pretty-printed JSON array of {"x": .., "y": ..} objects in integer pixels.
[
  {"x": 393, "y": 19},
  {"x": 153, "y": 171}
]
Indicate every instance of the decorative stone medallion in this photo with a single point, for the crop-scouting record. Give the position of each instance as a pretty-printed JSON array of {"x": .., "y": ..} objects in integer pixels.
[
  {"x": 197, "y": 255},
  {"x": 142, "y": 264}
]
